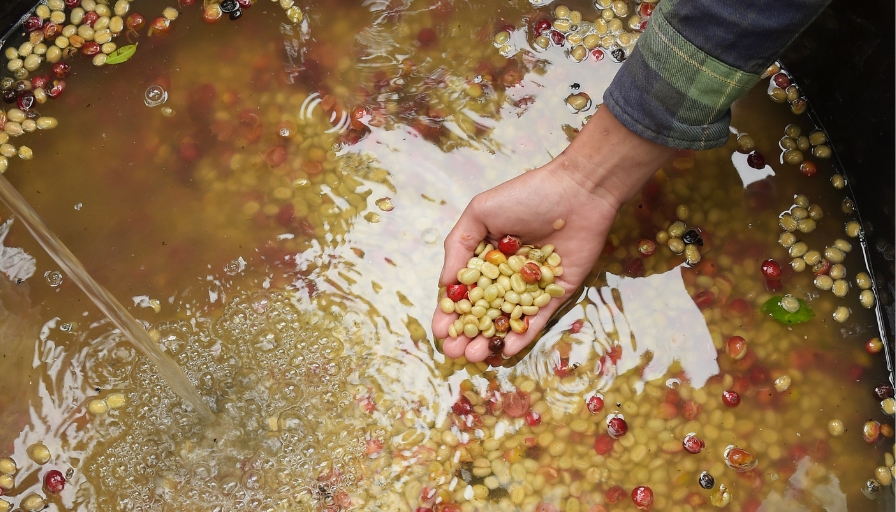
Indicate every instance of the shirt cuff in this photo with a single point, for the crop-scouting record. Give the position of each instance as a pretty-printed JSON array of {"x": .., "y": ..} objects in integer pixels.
[{"x": 672, "y": 93}]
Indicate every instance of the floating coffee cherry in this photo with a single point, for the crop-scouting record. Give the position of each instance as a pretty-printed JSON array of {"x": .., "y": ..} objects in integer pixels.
[
  {"x": 595, "y": 404},
  {"x": 54, "y": 482},
  {"x": 90, "y": 18},
  {"x": 33, "y": 24},
  {"x": 821, "y": 268},
  {"x": 642, "y": 497},
  {"x": 616, "y": 427},
  {"x": 60, "y": 69},
  {"x": 756, "y": 160},
  {"x": 692, "y": 443},
  {"x": 56, "y": 88},
  {"x": 235, "y": 15},
  {"x": 228, "y": 6},
  {"x": 25, "y": 100},
  {"x": 135, "y": 21},
  {"x": 706, "y": 480},
  {"x": 874, "y": 346},
  {"x": 39, "y": 82},
  {"x": 730, "y": 398},
  {"x": 781, "y": 80},
  {"x": 690, "y": 236},
  {"x": 496, "y": 345},
  {"x": 771, "y": 269},
  {"x": 160, "y": 25},
  {"x": 808, "y": 168},
  {"x": 739, "y": 459},
  {"x": 558, "y": 38},
  {"x": 882, "y": 391},
  {"x": 91, "y": 48},
  {"x": 542, "y": 26},
  {"x": 618, "y": 55},
  {"x": 646, "y": 247}
]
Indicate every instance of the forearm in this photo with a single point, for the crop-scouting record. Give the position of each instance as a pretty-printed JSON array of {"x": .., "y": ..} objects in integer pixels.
[{"x": 609, "y": 160}]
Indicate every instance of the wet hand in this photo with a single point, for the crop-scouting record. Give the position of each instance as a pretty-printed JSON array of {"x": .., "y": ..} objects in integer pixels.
[
  {"x": 570, "y": 202},
  {"x": 544, "y": 206}
]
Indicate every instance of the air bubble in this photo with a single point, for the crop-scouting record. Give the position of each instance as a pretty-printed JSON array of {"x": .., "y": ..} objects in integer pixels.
[
  {"x": 154, "y": 96},
  {"x": 234, "y": 267},
  {"x": 53, "y": 278},
  {"x": 253, "y": 480}
]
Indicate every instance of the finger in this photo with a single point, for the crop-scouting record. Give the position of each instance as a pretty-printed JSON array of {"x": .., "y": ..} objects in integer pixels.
[
  {"x": 440, "y": 323},
  {"x": 460, "y": 244},
  {"x": 477, "y": 350},
  {"x": 515, "y": 342},
  {"x": 454, "y": 347}
]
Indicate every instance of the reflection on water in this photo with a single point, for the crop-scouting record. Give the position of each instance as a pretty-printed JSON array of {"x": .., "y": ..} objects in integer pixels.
[{"x": 665, "y": 324}]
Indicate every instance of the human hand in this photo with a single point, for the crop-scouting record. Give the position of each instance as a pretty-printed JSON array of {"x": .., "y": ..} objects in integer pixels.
[
  {"x": 543, "y": 206},
  {"x": 570, "y": 202}
]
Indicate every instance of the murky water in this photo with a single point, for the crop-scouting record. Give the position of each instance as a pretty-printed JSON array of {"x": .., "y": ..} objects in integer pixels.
[{"x": 287, "y": 259}]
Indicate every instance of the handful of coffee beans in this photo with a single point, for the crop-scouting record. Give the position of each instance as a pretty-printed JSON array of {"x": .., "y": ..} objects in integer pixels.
[{"x": 500, "y": 288}]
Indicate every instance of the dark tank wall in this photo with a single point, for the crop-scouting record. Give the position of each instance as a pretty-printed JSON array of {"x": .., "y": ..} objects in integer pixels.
[
  {"x": 11, "y": 11},
  {"x": 844, "y": 62}
]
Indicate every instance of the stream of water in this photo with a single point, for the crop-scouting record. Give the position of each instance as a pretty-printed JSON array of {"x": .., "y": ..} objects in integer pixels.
[{"x": 108, "y": 304}]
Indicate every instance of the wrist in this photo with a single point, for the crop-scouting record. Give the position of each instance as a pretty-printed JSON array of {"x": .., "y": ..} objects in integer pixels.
[{"x": 610, "y": 161}]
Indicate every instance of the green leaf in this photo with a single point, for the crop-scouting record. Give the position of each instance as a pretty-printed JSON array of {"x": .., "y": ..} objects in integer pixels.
[
  {"x": 122, "y": 54},
  {"x": 773, "y": 307}
]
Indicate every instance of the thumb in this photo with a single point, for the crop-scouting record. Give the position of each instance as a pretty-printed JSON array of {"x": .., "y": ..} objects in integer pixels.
[{"x": 460, "y": 244}]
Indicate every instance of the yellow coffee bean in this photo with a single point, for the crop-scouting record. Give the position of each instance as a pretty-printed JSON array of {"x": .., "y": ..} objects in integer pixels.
[
  {"x": 8, "y": 466},
  {"x": 39, "y": 453}
]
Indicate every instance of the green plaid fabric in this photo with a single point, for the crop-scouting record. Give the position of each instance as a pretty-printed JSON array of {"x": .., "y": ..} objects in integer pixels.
[{"x": 675, "y": 93}]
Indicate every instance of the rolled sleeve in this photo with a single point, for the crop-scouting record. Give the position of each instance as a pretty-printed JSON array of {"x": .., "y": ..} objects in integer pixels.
[{"x": 677, "y": 94}]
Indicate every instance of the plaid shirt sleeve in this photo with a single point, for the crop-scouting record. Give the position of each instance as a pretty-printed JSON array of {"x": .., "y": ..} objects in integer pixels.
[{"x": 695, "y": 59}]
